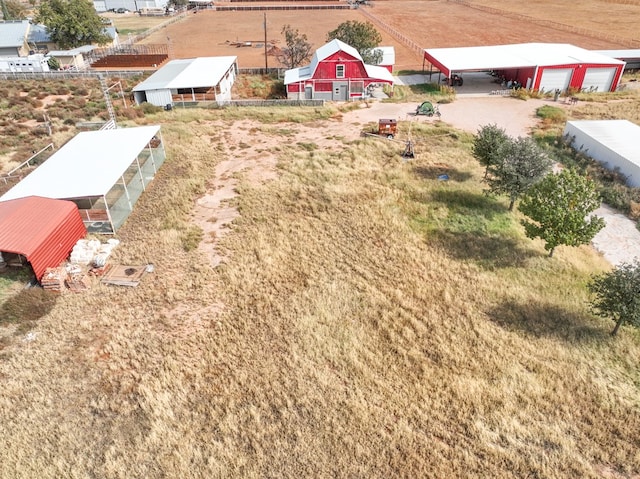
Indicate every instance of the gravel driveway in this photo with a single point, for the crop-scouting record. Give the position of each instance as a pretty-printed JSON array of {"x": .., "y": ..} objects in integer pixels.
[{"x": 618, "y": 242}]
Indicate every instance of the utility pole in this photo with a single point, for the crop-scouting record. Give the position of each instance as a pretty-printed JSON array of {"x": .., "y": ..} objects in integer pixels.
[{"x": 266, "y": 65}]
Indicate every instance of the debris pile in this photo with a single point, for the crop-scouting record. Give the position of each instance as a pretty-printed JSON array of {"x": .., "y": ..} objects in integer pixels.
[{"x": 54, "y": 279}]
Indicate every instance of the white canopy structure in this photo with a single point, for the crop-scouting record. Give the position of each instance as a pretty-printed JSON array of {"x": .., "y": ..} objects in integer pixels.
[
  {"x": 193, "y": 79},
  {"x": 104, "y": 172},
  {"x": 614, "y": 143}
]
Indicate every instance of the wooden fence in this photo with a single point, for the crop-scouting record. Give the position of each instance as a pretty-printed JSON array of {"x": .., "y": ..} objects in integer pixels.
[
  {"x": 231, "y": 8},
  {"x": 245, "y": 103},
  {"x": 406, "y": 41}
]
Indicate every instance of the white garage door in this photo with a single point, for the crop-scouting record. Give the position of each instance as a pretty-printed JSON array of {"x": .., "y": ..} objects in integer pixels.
[
  {"x": 555, "y": 79},
  {"x": 598, "y": 79}
]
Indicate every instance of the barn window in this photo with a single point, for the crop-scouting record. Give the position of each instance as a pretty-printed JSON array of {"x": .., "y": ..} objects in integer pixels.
[{"x": 339, "y": 71}]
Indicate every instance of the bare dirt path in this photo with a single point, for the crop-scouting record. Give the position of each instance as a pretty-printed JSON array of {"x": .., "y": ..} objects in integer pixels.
[{"x": 252, "y": 157}]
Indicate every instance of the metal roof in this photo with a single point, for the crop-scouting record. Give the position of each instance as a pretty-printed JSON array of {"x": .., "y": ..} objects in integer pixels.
[
  {"x": 87, "y": 166},
  {"x": 38, "y": 34},
  {"x": 620, "y": 136},
  {"x": 13, "y": 33},
  {"x": 44, "y": 230},
  {"x": 623, "y": 55},
  {"x": 306, "y": 73},
  {"x": 71, "y": 53},
  {"x": 388, "y": 55},
  {"x": 188, "y": 73},
  {"x": 519, "y": 55}
]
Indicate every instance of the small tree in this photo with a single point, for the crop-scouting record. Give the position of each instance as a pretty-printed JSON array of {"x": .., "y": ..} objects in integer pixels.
[
  {"x": 558, "y": 206},
  {"x": 617, "y": 295},
  {"x": 522, "y": 164},
  {"x": 298, "y": 49},
  {"x": 487, "y": 146},
  {"x": 362, "y": 36},
  {"x": 71, "y": 23},
  {"x": 53, "y": 63}
]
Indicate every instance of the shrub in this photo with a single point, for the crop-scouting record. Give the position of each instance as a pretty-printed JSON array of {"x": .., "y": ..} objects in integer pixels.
[{"x": 148, "y": 108}]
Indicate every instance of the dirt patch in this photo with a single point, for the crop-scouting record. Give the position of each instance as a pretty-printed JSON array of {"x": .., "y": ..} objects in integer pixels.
[{"x": 51, "y": 99}]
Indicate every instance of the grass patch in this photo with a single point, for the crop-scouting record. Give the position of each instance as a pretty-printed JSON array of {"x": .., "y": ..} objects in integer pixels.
[{"x": 369, "y": 321}]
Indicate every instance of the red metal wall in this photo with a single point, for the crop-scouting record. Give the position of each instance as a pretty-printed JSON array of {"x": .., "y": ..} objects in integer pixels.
[{"x": 353, "y": 68}]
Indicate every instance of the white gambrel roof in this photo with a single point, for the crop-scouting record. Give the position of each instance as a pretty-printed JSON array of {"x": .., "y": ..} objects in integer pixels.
[
  {"x": 305, "y": 73},
  {"x": 88, "y": 165},
  {"x": 520, "y": 55},
  {"x": 188, "y": 73}
]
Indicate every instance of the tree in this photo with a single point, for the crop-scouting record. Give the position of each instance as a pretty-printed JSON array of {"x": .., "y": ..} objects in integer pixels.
[
  {"x": 298, "y": 49},
  {"x": 362, "y": 36},
  {"x": 617, "y": 295},
  {"x": 71, "y": 23},
  {"x": 521, "y": 165},
  {"x": 487, "y": 146},
  {"x": 53, "y": 63},
  {"x": 559, "y": 205}
]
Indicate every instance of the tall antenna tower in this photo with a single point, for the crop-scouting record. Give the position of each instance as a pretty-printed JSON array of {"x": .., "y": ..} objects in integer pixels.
[{"x": 107, "y": 99}]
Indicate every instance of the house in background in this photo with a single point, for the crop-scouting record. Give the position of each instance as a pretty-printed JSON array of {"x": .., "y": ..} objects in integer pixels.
[
  {"x": 13, "y": 38},
  {"x": 189, "y": 80},
  {"x": 71, "y": 59},
  {"x": 337, "y": 72}
]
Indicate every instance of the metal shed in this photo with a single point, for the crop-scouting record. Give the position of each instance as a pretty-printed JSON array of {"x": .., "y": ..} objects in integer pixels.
[
  {"x": 103, "y": 172},
  {"x": 539, "y": 66},
  {"x": 41, "y": 230},
  {"x": 189, "y": 80},
  {"x": 614, "y": 143}
]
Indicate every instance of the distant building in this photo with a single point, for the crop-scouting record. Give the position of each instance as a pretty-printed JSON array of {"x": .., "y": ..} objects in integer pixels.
[
  {"x": 388, "y": 57},
  {"x": 131, "y": 5},
  {"x": 13, "y": 38},
  {"x": 189, "y": 80},
  {"x": 31, "y": 63}
]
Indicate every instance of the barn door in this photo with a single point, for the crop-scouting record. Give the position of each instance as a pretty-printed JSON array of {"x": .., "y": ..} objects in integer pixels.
[
  {"x": 308, "y": 92},
  {"x": 340, "y": 91},
  {"x": 598, "y": 79},
  {"x": 555, "y": 79}
]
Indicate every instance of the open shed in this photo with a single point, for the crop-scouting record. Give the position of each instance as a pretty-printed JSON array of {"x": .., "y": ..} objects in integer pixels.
[
  {"x": 189, "y": 80},
  {"x": 103, "y": 172},
  {"x": 614, "y": 143},
  {"x": 41, "y": 231},
  {"x": 539, "y": 66}
]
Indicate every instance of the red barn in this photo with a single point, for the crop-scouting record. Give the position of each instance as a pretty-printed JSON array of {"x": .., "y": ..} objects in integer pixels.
[
  {"x": 41, "y": 230},
  {"x": 538, "y": 66},
  {"x": 337, "y": 72}
]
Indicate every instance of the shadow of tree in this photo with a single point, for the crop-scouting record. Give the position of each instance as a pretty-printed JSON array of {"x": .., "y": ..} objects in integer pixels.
[
  {"x": 547, "y": 320},
  {"x": 488, "y": 251},
  {"x": 28, "y": 305},
  {"x": 432, "y": 172}
]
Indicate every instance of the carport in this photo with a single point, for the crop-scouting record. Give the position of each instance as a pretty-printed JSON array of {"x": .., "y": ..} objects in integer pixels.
[{"x": 538, "y": 66}]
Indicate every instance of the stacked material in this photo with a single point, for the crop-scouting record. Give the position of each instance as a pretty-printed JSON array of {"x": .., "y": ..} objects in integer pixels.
[{"x": 54, "y": 279}]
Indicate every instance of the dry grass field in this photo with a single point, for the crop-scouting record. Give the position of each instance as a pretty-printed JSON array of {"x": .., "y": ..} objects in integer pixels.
[
  {"x": 357, "y": 318},
  {"x": 367, "y": 321}
]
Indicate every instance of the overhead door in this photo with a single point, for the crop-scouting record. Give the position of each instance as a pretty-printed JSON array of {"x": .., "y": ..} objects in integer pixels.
[
  {"x": 598, "y": 79},
  {"x": 555, "y": 79}
]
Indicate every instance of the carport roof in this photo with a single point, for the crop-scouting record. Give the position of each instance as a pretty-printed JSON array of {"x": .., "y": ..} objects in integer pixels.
[
  {"x": 86, "y": 166},
  {"x": 521, "y": 55},
  {"x": 188, "y": 73}
]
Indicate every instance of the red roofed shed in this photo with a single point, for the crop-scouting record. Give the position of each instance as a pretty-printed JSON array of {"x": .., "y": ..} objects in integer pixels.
[{"x": 43, "y": 230}]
